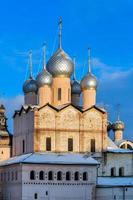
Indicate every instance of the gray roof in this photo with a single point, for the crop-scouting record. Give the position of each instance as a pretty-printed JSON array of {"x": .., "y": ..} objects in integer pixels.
[
  {"x": 118, "y": 150},
  {"x": 114, "y": 181},
  {"x": 51, "y": 158}
]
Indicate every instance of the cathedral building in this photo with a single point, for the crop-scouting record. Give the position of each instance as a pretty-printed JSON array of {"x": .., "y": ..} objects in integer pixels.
[{"x": 61, "y": 148}]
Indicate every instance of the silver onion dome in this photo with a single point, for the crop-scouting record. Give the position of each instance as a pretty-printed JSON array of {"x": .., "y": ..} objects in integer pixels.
[
  {"x": 60, "y": 64},
  {"x": 75, "y": 87},
  {"x": 89, "y": 82},
  {"x": 44, "y": 78},
  {"x": 30, "y": 86},
  {"x": 118, "y": 125}
]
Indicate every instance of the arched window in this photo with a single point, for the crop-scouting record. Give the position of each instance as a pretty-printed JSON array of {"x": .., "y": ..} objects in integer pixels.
[
  {"x": 123, "y": 146},
  {"x": 35, "y": 196},
  {"x": 85, "y": 176},
  {"x": 59, "y": 176},
  {"x": 32, "y": 175},
  {"x": 129, "y": 147},
  {"x": 113, "y": 171},
  {"x": 68, "y": 176},
  {"x": 50, "y": 175},
  {"x": 70, "y": 144},
  {"x": 121, "y": 171},
  {"x": 76, "y": 176},
  {"x": 41, "y": 175}
]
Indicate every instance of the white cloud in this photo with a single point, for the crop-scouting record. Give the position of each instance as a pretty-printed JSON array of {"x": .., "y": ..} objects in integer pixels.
[
  {"x": 110, "y": 73},
  {"x": 12, "y": 103}
]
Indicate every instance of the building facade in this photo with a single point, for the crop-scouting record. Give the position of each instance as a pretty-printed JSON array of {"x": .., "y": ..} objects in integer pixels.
[{"x": 61, "y": 148}]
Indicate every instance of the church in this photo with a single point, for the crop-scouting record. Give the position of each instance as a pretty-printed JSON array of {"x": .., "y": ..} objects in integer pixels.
[{"x": 61, "y": 149}]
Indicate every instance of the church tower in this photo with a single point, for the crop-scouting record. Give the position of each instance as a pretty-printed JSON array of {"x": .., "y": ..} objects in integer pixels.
[
  {"x": 118, "y": 128},
  {"x": 30, "y": 86},
  {"x": 89, "y": 86},
  {"x": 44, "y": 82},
  {"x": 5, "y": 136},
  {"x": 60, "y": 65}
]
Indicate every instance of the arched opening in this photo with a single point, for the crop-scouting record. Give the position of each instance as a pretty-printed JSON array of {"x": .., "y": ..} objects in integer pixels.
[
  {"x": 121, "y": 171},
  {"x": 50, "y": 175},
  {"x": 113, "y": 171},
  {"x": 68, "y": 176},
  {"x": 41, "y": 175},
  {"x": 59, "y": 176},
  {"x": 123, "y": 146},
  {"x": 32, "y": 175},
  {"x": 129, "y": 147},
  {"x": 85, "y": 177},
  {"x": 76, "y": 176}
]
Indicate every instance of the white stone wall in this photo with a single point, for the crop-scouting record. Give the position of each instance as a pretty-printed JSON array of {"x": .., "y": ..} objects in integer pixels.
[
  {"x": 23, "y": 188},
  {"x": 116, "y": 160},
  {"x": 10, "y": 186},
  {"x": 58, "y": 190},
  {"x": 114, "y": 193},
  {"x": 23, "y": 130}
]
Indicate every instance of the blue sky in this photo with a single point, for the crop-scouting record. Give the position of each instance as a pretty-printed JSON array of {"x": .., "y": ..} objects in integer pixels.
[{"x": 105, "y": 26}]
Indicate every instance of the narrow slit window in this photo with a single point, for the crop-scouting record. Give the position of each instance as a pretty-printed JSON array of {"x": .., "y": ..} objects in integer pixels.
[
  {"x": 69, "y": 94},
  {"x": 59, "y": 94},
  {"x": 93, "y": 148},
  {"x": 48, "y": 144},
  {"x": 23, "y": 144},
  {"x": 70, "y": 144}
]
